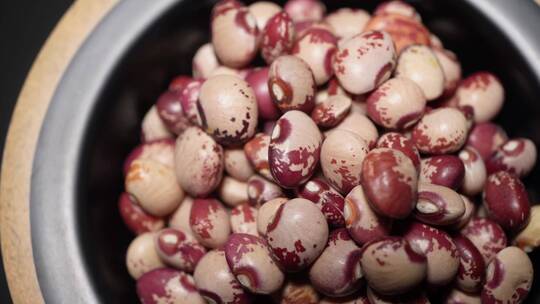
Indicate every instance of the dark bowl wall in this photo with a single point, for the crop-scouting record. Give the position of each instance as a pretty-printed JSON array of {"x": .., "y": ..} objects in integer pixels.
[{"x": 164, "y": 50}]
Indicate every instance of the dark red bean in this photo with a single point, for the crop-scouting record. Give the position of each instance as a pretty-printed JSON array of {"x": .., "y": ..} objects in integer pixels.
[
  {"x": 471, "y": 273},
  {"x": 506, "y": 200},
  {"x": 486, "y": 138},
  {"x": 389, "y": 180},
  {"x": 277, "y": 38},
  {"x": 258, "y": 80},
  {"x": 443, "y": 170}
]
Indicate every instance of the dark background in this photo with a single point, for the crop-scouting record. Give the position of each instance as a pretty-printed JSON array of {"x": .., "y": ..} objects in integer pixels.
[{"x": 24, "y": 27}]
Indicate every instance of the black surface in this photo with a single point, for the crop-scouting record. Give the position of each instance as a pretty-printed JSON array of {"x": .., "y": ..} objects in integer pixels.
[
  {"x": 24, "y": 26},
  {"x": 79, "y": 240}
]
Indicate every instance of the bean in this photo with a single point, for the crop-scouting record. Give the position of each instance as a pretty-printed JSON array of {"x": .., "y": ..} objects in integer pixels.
[
  {"x": 297, "y": 234},
  {"x": 209, "y": 222},
  {"x": 391, "y": 267},
  {"x": 294, "y": 149},
  {"x": 167, "y": 285},
  {"x": 365, "y": 61},
  {"x": 250, "y": 262},
  {"x": 389, "y": 180},
  {"x": 506, "y": 200},
  {"x": 509, "y": 277},
  {"x": 337, "y": 271},
  {"x": 342, "y": 154},
  {"x": 363, "y": 224}
]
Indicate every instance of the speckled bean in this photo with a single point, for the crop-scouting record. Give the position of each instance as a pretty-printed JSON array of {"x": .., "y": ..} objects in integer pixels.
[
  {"x": 257, "y": 153},
  {"x": 391, "y": 266},
  {"x": 363, "y": 224},
  {"x": 244, "y": 219},
  {"x": 365, "y": 61},
  {"x": 451, "y": 69},
  {"x": 484, "y": 92},
  {"x": 419, "y": 64},
  {"x": 329, "y": 201},
  {"x": 266, "y": 213},
  {"x": 316, "y": 47},
  {"x": 342, "y": 155},
  {"x": 331, "y": 111},
  {"x": 438, "y": 205},
  {"x": 347, "y": 22},
  {"x": 258, "y": 80},
  {"x": 438, "y": 248},
  {"x": 209, "y": 222},
  {"x": 232, "y": 192},
  {"x": 159, "y": 150},
  {"x": 486, "y": 138},
  {"x": 398, "y": 141},
  {"x": 475, "y": 171},
  {"x": 297, "y": 234},
  {"x": 250, "y": 261},
  {"x": 233, "y": 22},
  {"x": 135, "y": 218},
  {"x": 397, "y": 104},
  {"x": 154, "y": 186},
  {"x": 228, "y": 109},
  {"x": 178, "y": 249},
  {"x": 509, "y": 277},
  {"x": 216, "y": 282},
  {"x": 337, "y": 271},
  {"x": 179, "y": 219},
  {"x": 262, "y": 11},
  {"x": 294, "y": 149},
  {"x": 529, "y": 238},
  {"x": 305, "y": 10},
  {"x": 199, "y": 162},
  {"x": 291, "y": 84},
  {"x": 443, "y": 170},
  {"x": 488, "y": 237},
  {"x": 516, "y": 156},
  {"x": 359, "y": 124},
  {"x": 277, "y": 37},
  {"x": 141, "y": 256},
  {"x": 404, "y": 30},
  {"x": 167, "y": 285},
  {"x": 261, "y": 190},
  {"x": 440, "y": 131},
  {"x": 471, "y": 273},
  {"x": 169, "y": 109}
]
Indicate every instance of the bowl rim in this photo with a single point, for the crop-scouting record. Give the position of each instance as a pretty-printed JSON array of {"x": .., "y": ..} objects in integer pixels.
[{"x": 56, "y": 158}]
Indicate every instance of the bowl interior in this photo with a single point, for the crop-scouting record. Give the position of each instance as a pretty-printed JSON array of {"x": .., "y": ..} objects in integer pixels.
[{"x": 166, "y": 49}]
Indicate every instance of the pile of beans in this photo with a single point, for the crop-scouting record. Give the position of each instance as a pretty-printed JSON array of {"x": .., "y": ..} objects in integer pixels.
[{"x": 352, "y": 165}]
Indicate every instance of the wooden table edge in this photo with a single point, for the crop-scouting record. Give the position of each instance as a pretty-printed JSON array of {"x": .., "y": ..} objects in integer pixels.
[{"x": 21, "y": 140}]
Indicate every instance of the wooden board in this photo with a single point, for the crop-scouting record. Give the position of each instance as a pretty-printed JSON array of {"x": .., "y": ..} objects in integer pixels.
[{"x": 21, "y": 142}]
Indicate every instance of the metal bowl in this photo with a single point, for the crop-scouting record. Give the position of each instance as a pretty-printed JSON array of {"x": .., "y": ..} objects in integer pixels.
[{"x": 78, "y": 238}]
